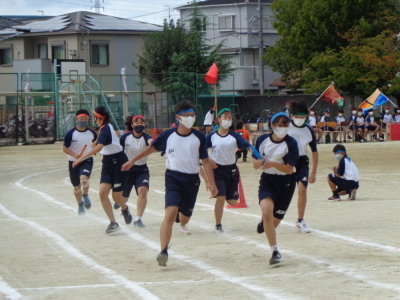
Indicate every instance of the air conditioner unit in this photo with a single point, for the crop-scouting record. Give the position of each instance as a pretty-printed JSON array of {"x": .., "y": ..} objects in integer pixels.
[{"x": 255, "y": 82}]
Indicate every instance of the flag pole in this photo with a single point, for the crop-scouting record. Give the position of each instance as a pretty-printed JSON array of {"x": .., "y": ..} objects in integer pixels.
[
  {"x": 216, "y": 99},
  {"x": 320, "y": 96}
]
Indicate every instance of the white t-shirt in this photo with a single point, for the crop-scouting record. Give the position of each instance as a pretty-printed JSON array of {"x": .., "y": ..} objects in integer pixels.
[{"x": 208, "y": 120}]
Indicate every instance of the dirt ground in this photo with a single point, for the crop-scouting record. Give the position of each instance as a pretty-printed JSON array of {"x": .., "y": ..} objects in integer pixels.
[{"x": 48, "y": 251}]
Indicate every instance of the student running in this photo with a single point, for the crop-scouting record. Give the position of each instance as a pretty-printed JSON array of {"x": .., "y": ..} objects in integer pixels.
[
  {"x": 77, "y": 142},
  {"x": 305, "y": 137},
  {"x": 278, "y": 182},
  {"x": 184, "y": 147},
  {"x": 133, "y": 143},
  {"x": 111, "y": 176},
  {"x": 224, "y": 144}
]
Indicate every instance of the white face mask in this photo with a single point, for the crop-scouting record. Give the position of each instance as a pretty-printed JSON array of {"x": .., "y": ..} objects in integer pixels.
[
  {"x": 371, "y": 113},
  {"x": 187, "y": 121},
  {"x": 312, "y": 113},
  {"x": 398, "y": 111},
  {"x": 281, "y": 132},
  {"x": 387, "y": 111},
  {"x": 298, "y": 122},
  {"x": 338, "y": 156},
  {"x": 360, "y": 113},
  {"x": 226, "y": 124},
  {"x": 354, "y": 112},
  {"x": 340, "y": 115}
]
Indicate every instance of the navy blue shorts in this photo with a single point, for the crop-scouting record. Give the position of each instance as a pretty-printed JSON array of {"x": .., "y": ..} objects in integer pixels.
[
  {"x": 111, "y": 171},
  {"x": 351, "y": 127},
  {"x": 181, "y": 191},
  {"x": 371, "y": 128},
  {"x": 302, "y": 170},
  {"x": 84, "y": 168},
  {"x": 137, "y": 176},
  {"x": 343, "y": 184},
  {"x": 280, "y": 188},
  {"x": 227, "y": 181},
  {"x": 359, "y": 127}
]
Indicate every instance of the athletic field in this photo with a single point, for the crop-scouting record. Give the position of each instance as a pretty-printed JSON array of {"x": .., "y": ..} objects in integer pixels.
[{"x": 49, "y": 252}]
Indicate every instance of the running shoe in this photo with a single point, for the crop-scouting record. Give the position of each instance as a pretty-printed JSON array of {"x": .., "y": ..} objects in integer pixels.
[
  {"x": 381, "y": 139},
  {"x": 113, "y": 227},
  {"x": 88, "y": 204},
  {"x": 184, "y": 230},
  {"x": 334, "y": 198},
  {"x": 303, "y": 227},
  {"x": 353, "y": 195},
  {"x": 139, "y": 223},
  {"x": 260, "y": 227},
  {"x": 276, "y": 258},
  {"x": 219, "y": 228},
  {"x": 81, "y": 209},
  {"x": 127, "y": 215},
  {"x": 116, "y": 205},
  {"x": 162, "y": 258}
]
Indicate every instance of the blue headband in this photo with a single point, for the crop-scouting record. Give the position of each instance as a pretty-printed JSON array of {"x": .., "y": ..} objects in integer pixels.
[
  {"x": 277, "y": 115},
  {"x": 185, "y": 111},
  {"x": 339, "y": 151}
]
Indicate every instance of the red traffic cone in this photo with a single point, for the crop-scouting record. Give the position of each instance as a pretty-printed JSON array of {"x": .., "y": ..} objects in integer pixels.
[
  {"x": 242, "y": 199},
  {"x": 212, "y": 75}
]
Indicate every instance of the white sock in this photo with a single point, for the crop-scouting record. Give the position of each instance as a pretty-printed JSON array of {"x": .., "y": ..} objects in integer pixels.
[
  {"x": 138, "y": 218},
  {"x": 274, "y": 248}
]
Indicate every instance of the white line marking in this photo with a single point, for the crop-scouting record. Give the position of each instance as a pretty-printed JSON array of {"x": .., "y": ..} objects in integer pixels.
[
  {"x": 62, "y": 243},
  {"x": 8, "y": 291}
]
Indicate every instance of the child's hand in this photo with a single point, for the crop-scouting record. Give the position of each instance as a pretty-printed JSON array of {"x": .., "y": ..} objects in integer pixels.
[{"x": 334, "y": 169}]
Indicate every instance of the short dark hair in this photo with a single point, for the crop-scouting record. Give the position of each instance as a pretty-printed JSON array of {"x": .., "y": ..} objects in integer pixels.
[
  {"x": 82, "y": 111},
  {"x": 341, "y": 111},
  {"x": 360, "y": 109},
  {"x": 339, "y": 147},
  {"x": 102, "y": 110},
  {"x": 239, "y": 125},
  {"x": 298, "y": 106},
  {"x": 184, "y": 105}
]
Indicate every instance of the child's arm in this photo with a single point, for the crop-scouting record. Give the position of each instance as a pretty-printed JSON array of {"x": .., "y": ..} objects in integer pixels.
[
  {"x": 207, "y": 165},
  {"x": 145, "y": 152},
  {"x": 288, "y": 169},
  {"x": 93, "y": 151},
  {"x": 313, "y": 172},
  {"x": 205, "y": 178},
  {"x": 68, "y": 151}
]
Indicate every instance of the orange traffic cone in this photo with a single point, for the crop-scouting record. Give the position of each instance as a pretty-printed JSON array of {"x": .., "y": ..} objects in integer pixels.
[
  {"x": 242, "y": 199},
  {"x": 154, "y": 133}
]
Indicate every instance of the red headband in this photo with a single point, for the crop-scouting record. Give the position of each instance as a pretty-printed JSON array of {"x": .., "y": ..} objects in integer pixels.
[
  {"x": 98, "y": 115},
  {"x": 138, "y": 117},
  {"x": 82, "y": 115}
]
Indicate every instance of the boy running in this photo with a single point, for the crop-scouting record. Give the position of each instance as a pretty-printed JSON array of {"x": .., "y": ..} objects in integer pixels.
[
  {"x": 345, "y": 177},
  {"x": 278, "y": 182},
  {"x": 224, "y": 144},
  {"x": 184, "y": 147},
  {"x": 305, "y": 137},
  {"x": 133, "y": 143},
  {"x": 77, "y": 142}
]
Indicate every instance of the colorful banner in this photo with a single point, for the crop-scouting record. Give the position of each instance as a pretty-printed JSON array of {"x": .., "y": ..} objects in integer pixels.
[
  {"x": 377, "y": 98},
  {"x": 332, "y": 96}
]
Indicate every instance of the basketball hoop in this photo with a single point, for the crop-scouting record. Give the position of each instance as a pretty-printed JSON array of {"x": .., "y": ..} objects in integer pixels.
[{"x": 73, "y": 81}]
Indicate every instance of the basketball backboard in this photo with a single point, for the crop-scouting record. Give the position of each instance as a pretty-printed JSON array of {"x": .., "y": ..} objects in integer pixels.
[{"x": 73, "y": 71}]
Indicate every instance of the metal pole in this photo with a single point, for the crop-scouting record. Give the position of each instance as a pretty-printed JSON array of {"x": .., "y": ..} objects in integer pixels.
[
  {"x": 261, "y": 48},
  {"x": 319, "y": 96}
]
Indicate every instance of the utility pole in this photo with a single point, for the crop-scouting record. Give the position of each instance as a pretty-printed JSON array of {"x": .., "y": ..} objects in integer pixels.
[
  {"x": 261, "y": 47},
  {"x": 97, "y": 6},
  {"x": 169, "y": 11}
]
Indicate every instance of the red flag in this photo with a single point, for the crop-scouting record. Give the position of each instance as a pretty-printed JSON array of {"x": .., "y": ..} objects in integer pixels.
[
  {"x": 212, "y": 75},
  {"x": 332, "y": 96}
]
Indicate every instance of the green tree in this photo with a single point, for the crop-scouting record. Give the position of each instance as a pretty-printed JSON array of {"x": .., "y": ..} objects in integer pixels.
[
  {"x": 176, "y": 55},
  {"x": 334, "y": 40}
]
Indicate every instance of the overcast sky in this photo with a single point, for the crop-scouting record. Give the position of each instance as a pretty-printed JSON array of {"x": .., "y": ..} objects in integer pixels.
[{"x": 152, "y": 11}]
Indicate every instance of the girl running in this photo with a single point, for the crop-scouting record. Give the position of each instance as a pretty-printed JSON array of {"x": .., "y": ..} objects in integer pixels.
[
  {"x": 111, "y": 175},
  {"x": 133, "y": 143},
  {"x": 278, "y": 182},
  {"x": 77, "y": 142}
]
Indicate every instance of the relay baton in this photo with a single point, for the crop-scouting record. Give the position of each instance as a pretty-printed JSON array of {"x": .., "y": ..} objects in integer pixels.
[
  {"x": 83, "y": 150},
  {"x": 255, "y": 152}
]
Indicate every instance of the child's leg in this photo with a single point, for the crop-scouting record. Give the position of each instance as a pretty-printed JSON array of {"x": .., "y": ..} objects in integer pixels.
[
  {"x": 166, "y": 225},
  {"x": 121, "y": 201},
  {"x": 267, "y": 207},
  {"x": 219, "y": 209},
  {"x": 302, "y": 200},
  {"x": 85, "y": 184},
  {"x": 141, "y": 201},
  {"x": 331, "y": 184},
  {"x": 104, "y": 190}
]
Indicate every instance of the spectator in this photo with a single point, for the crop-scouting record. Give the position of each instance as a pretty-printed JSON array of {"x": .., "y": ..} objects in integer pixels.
[
  {"x": 246, "y": 135},
  {"x": 359, "y": 126},
  {"x": 372, "y": 126},
  {"x": 397, "y": 115},
  {"x": 339, "y": 119},
  {"x": 312, "y": 121}
]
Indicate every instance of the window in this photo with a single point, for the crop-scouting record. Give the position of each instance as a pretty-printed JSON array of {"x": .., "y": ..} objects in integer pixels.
[
  {"x": 267, "y": 24},
  {"x": 226, "y": 23},
  {"x": 99, "y": 54},
  {"x": 58, "y": 52},
  {"x": 42, "y": 50},
  {"x": 6, "y": 56}
]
